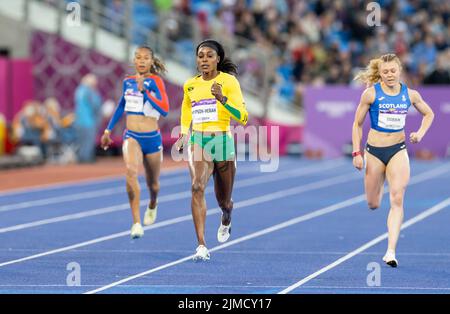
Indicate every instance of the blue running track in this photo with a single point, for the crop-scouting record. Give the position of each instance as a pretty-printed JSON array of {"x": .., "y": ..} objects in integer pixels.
[{"x": 305, "y": 228}]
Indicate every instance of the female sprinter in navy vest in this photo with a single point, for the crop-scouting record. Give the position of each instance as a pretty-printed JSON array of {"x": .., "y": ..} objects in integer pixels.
[
  {"x": 387, "y": 100},
  {"x": 144, "y": 100}
]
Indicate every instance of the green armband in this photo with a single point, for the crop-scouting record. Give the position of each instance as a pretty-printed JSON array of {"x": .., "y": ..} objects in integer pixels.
[{"x": 236, "y": 113}]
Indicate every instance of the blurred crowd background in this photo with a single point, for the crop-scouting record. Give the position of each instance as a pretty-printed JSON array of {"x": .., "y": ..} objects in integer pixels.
[
  {"x": 281, "y": 46},
  {"x": 312, "y": 42}
]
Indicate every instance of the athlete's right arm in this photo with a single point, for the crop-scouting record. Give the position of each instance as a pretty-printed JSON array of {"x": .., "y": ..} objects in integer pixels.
[
  {"x": 185, "y": 120},
  {"x": 367, "y": 98},
  {"x": 106, "y": 139},
  {"x": 117, "y": 114},
  {"x": 186, "y": 112}
]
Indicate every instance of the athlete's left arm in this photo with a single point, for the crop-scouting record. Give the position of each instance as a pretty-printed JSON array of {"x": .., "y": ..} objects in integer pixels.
[
  {"x": 425, "y": 110},
  {"x": 160, "y": 101},
  {"x": 234, "y": 102}
]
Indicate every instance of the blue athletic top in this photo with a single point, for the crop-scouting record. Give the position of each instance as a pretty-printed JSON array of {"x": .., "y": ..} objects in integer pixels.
[
  {"x": 388, "y": 113},
  {"x": 152, "y": 102}
]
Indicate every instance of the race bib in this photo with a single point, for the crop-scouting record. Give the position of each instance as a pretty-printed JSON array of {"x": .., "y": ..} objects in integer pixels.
[
  {"x": 134, "y": 102},
  {"x": 149, "y": 111},
  {"x": 204, "y": 110},
  {"x": 392, "y": 120}
]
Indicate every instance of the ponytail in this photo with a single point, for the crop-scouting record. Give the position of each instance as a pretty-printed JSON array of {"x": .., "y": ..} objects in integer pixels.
[
  {"x": 371, "y": 74},
  {"x": 227, "y": 66},
  {"x": 158, "y": 66}
]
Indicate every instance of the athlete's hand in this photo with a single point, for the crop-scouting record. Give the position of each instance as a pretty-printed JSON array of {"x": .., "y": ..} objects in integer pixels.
[
  {"x": 415, "y": 137},
  {"x": 358, "y": 162},
  {"x": 216, "y": 90},
  {"x": 105, "y": 141},
  {"x": 140, "y": 81},
  {"x": 181, "y": 142}
]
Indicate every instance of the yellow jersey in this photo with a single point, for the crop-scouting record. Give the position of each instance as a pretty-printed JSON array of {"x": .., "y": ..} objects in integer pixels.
[{"x": 204, "y": 111}]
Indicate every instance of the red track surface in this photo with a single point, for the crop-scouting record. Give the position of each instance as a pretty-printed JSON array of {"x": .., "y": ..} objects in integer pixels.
[{"x": 53, "y": 174}]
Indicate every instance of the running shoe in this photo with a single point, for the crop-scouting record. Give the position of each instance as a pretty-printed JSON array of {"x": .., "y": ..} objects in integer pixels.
[
  {"x": 137, "y": 231},
  {"x": 201, "y": 254},
  {"x": 389, "y": 258},
  {"x": 150, "y": 215},
  {"x": 223, "y": 233}
]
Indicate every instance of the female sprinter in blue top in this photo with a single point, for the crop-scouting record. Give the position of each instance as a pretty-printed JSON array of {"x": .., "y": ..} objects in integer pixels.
[
  {"x": 144, "y": 100},
  {"x": 387, "y": 100}
]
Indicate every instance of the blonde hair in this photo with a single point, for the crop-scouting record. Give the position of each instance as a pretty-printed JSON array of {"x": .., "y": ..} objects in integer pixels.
[{"x": 371, "y": 74}]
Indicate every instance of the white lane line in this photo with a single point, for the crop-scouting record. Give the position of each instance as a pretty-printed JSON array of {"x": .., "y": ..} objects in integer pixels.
[
  {"x": 262, "y": 232},
  {"x": 84, "y": 195},
  {"x": 323, "y": 211},
  {"x": 376, "y": 288},
  {"x": 60, "y": 185},
  {"x": 169, "y": 182},
  {"x": 170, "y": 197},
  {"x": 430, "y": 211},
  {"x": 105, "y": 179},
  {"x": 414, "y": 180},
  {"x": 241, "y": 204},
  {"x": 74, "y": 183},
  {"x": 143, "y": 286},
  {"x": 238, "y": 252}
]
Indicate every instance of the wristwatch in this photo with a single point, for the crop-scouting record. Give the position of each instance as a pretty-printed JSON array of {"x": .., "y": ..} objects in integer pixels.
[
  {"x": 224, "y": 100},
  {"x": 354, "y": 154}
]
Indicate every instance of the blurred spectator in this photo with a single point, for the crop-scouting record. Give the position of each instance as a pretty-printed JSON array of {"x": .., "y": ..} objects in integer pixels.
[
  {"x": 115, "y": 17},
  {"x": 31, "y": 127},
  {"x": 441, "y": 74},
  {"x": 52, "y": 110},
  {"x": 324, "y": 41},
  {"x": 87, "y": 114},
  {"x": 251, "y": 76},
  {"x": 163, "y": 5},
  {"x": 144, "y": 18},
  {"x": 63, "y": 148},
  {"x": 203, "y": 23},
  {"x": 423, "y": 52}
]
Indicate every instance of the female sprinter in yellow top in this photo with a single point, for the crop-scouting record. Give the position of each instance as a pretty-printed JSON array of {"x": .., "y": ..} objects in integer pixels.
[
  {"x": 387, "y": 100},
  {"x": 144, "y": 100},
  {"x": 210, "y": 100}
]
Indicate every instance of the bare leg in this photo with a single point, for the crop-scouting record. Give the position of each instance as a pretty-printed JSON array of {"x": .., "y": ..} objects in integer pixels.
[
  {"x": 374, "y": 180},
  {"x": 200, "y": 171},
  {"x": 397, "y": 173},
  {"x": 132, "y": 156},
  {"x": 152, "y": 165},
  {"x": 224, "y": 172}
]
